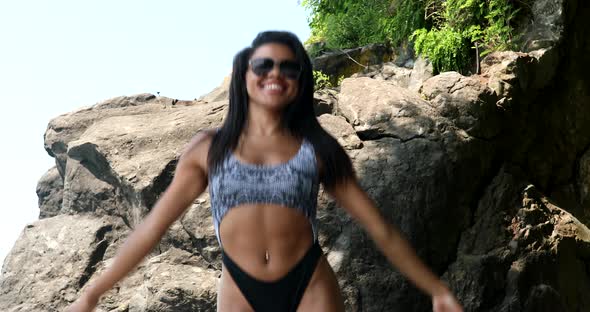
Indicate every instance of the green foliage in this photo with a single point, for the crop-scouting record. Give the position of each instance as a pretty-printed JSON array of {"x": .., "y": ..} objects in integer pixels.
[
  {"x": 498, "y": 34},
  {"x": 445, "y": 48},
  {"x": 463, "y": 26},
  {"x": 321, "y": 80},
  {"x": 315, "y": 49},
  {"x": 346, "y": 24},
  {"x": 449, "y": 32},
  {"x": 402, "y": 18}
]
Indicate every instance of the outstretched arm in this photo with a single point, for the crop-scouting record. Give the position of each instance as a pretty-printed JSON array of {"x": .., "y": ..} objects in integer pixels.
[
  {"x": 393, "y": 245},
  {"x": 190, "y": 180}
]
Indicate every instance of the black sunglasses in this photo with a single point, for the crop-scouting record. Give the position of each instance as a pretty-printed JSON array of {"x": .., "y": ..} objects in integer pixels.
[{"x": 262, "y": 66}]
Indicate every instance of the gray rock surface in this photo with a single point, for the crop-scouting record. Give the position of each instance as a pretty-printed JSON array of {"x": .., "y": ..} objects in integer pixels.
[
  {"x": 53, "y": 258},
  {"x": 341, "y": 130},
  {"x": 467, "y": 101},
  {"x": 349, "y": 61},
  {"x": 546, "y": 25},
  {"x": 377, "y": 109},
  {"x": 50, "y": 193},
  {"x": 325, "y": 101}
]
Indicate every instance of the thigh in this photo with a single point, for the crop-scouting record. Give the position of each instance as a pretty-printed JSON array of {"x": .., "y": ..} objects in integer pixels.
[
  {"x": 229, "y": 296},
  {"x": 323, "y": 292}
]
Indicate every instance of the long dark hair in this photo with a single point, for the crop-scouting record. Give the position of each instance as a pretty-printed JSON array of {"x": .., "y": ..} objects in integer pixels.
[{"x": 298, "y": 117}]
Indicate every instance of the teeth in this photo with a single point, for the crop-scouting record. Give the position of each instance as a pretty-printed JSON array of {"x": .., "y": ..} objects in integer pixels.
[{"x": 273, "y": 86}]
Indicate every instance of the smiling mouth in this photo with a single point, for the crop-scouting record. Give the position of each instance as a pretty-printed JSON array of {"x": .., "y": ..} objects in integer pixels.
[{"x": 273, "y": 88}]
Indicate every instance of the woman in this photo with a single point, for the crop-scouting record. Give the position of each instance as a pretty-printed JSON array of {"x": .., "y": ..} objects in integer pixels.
[{"x": 263, "y": 168}]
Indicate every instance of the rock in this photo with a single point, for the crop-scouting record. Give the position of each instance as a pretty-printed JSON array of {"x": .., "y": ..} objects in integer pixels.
[
  {"x": 509, "y": 73},
  {"x": 350, "y": 61},
  {"x": 546, "y": 26},
  {"x": 325, "y": 101},
  {"x": 198, "y": 223},
  {"x": 119, "y": 164},
  {"x": 467, "y": 101},
  {"x": 67, "y": 127},
  {"x": 522, "y": 252},
  {"x": 48, "y": 264},
  {"x": 422, "y": 71},
  {"x": 50, "y": 193},
  {"x": 406, "y": 77},
  {"x": 161, "y": 284},
  {"x": 392, "y": 171},
  {"x": 378, "y": 109},
  {"x": 547, "y": 61},
  {"x": 398, "y": 75},
  {"x": 65, "y": 263},
  {"x": 218, "y": 94},
  {"x": 340, "y": 129}
]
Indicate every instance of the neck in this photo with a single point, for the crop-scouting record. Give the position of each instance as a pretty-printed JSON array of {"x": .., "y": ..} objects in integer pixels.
[{"x": 263, "y": 122}]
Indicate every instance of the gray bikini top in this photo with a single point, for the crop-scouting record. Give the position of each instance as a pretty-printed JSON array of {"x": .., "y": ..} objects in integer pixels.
[{"x": 293, "y": 184}]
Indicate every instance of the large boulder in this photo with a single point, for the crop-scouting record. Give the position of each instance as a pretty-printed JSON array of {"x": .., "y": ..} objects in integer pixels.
[
  {"x": 53, "y": 258},
  {"x": 522, "y": 253},
  {"x": 119, "y": 163},
  {"x": 378, "y": 109},
  {"x": 341, "y": 130},
  {"x": 467, "y": 101},
  {"x": 405, "y": 77}
]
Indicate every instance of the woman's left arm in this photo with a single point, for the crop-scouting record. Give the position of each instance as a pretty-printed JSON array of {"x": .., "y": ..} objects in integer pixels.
[{"x": 394, "y": 246}]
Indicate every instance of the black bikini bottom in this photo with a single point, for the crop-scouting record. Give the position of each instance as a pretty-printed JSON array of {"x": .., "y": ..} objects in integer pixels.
[{"x": 280, "y": 295}]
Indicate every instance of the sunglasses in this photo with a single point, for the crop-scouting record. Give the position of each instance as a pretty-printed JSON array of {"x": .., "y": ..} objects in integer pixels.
[{"x": 263, "y": 66}]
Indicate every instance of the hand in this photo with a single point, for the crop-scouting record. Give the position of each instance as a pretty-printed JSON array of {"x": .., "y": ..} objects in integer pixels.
[
  {"x": 83, "y": 304},
  {"x": 445, "y": 302}
]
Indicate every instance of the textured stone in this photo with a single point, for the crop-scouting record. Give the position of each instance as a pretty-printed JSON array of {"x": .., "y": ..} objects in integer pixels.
[
  {"x": 50, "y": 193},
  {"x": 467, "y": 101},
  {"x": 341, "y": 130},
  {"x": 53, "y": 258},
  {"x": 325, "y": 101},
  {"x": 350, "y": 61},
  {"x": 377, "y": 109}
]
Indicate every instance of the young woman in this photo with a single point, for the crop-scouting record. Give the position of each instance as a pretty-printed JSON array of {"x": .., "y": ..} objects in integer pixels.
[{"x": 263, "y": 168}]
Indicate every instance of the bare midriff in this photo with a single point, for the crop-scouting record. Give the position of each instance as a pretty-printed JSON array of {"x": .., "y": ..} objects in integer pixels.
[{"x": 265, "y": 241}]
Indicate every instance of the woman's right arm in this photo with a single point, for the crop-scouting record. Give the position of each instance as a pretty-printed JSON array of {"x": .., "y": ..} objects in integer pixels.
[{"x": 190, "y": 180}]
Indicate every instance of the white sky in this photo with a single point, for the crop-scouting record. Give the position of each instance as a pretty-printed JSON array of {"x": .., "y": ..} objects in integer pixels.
[{"x": 56, "y": 56}]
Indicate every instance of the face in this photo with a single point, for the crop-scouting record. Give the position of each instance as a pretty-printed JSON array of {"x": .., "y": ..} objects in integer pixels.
[{"x": 273, "y": 89}]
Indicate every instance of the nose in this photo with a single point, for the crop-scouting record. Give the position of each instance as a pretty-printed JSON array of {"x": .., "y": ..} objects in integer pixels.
[{"x": 275, "y": 71}]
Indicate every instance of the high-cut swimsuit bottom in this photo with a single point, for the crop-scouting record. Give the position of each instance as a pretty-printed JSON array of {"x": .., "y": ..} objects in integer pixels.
[{"x": 283, "y": 294}]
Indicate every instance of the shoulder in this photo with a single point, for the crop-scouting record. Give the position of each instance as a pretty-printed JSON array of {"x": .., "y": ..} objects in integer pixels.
[{"x": 197, "y": 149}]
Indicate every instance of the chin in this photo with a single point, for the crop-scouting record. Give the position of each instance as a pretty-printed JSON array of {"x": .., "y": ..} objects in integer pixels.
[{"x": 274, "y": 104}]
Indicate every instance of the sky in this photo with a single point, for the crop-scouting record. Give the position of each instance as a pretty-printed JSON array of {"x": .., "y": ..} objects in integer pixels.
[{"x": 57, "y": 56}]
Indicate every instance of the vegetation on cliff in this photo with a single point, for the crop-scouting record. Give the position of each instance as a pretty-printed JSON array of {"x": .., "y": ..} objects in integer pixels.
[{"x": 453, "y": 34}]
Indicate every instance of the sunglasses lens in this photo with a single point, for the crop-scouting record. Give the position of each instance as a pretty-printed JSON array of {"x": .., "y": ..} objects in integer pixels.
[
  {"x": 262, "y": 66},
  {"x": 290, "y": 69}
]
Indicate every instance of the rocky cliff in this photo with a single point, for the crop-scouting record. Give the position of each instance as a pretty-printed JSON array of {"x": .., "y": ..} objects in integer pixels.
[{"x": 488, "y": 176}]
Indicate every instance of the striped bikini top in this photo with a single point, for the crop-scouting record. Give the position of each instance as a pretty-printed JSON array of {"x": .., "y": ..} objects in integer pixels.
[{"x": 293, "y": 184}]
